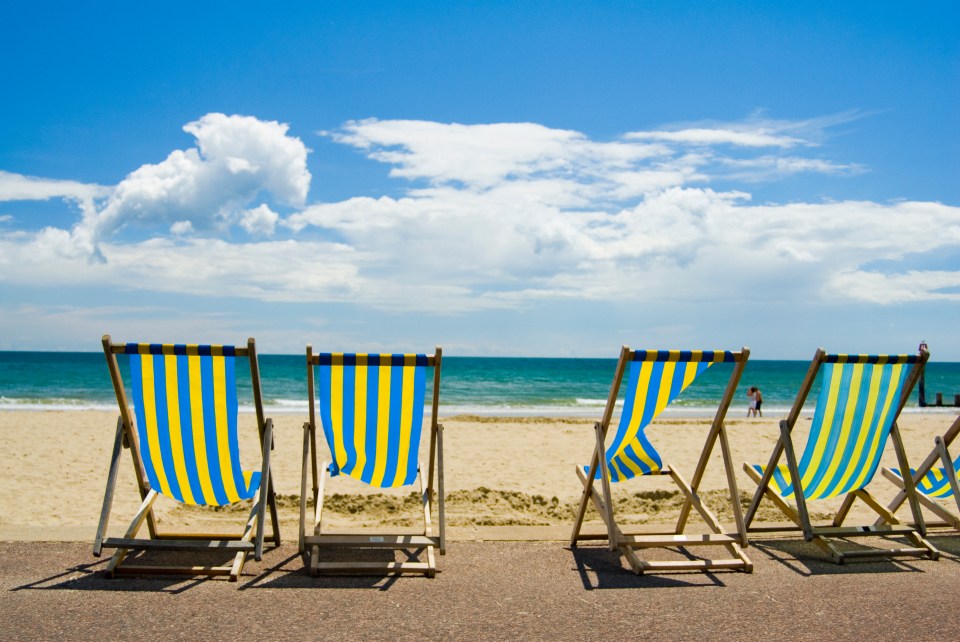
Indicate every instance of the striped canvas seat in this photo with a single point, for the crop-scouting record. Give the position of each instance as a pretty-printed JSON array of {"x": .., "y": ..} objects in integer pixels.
[
  {"x": 855, "y": 410},
  {"x": 656, "y": 379},
  {"x": 371, "y": 413},
  {"x": 185, "y": 402},
  {"x": 861, "y": 396},
  {"x": 936, "y": 483},
  {"x": 183, "y": 436},
  {"x": 935, "y": 479},
  {"x": 371, "y": 408}
]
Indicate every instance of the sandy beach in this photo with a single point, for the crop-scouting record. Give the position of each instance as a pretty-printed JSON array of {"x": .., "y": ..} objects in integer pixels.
[{"x": 510, "y": 478}]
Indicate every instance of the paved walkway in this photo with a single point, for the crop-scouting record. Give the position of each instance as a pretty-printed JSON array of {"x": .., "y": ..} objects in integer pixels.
[{"x": 486, "y": 591}]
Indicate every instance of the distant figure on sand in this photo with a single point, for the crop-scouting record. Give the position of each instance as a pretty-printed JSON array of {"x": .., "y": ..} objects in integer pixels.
[{"x": 756, "y": 399}]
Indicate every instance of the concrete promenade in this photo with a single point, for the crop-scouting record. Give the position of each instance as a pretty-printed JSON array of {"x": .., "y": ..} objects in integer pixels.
[{"x": 486, "y": 590}]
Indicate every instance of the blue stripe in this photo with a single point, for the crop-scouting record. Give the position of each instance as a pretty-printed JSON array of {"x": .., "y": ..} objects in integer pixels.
[
  {"x": 136, "y": 375},
  {"x": 325, "y": 383},
  {"x": 186, "y": 429},
  {"x": 781, "y": 481},
  {"x": 396, "y": 412},
  {"x": 880, "y": 432},
  {"x": 348, "y": 410},
  {"x": 833, "y": 430},
  {"x": 210, "y": 431},
  {"x": 628, "y": 409},
  {"x": 419, "y": 388},
  {"x": 243, "y": 490},
  {"x": 163, "y": 426},
  {"x": 373, "y": 407}
]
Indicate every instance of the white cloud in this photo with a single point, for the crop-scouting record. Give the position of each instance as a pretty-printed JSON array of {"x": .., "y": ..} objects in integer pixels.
[
  {"x": 260, "y": 220},
  {"x": 17, "y": 187},
  {"x": 499, "y": 216},
  {"x": 702, "y": 136},
  {"x": 238, "y": 160}
]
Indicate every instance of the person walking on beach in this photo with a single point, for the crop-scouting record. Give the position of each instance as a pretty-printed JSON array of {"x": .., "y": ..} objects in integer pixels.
[{"x": 756, "y": 399}]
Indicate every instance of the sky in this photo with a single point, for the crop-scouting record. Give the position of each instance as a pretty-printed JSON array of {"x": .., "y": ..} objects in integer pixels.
[{"x": 500, "y": 178}]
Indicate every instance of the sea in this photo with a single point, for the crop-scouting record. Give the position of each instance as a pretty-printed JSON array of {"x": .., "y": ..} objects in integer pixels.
[{"x": 483, "y": 386}]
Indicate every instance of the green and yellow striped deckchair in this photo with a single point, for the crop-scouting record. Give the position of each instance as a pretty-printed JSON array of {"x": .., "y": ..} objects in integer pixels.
[
  {"x": 183, "y": 435},
  {"x": 860, "y": 398},
  {"x": 371, "y": 410},
  {"x": 933, "y": 483},
  {"x": 655, "y": 379}
]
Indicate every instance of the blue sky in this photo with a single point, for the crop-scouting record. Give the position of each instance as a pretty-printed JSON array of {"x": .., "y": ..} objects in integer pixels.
[{"x": 500, "y": 178}]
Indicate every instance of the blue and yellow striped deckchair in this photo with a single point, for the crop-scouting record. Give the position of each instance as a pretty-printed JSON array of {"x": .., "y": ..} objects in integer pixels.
[
  {"x": 371, "y": 412},
  {"x": 655, "y": 379},
  {"x": 933, "y": 483},
  {"x": 860, "y": 398},
  {"x": 184, "y": 439}
]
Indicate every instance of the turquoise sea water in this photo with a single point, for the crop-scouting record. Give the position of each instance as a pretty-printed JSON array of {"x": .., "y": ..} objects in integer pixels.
[{"x": 469, "y": 385}]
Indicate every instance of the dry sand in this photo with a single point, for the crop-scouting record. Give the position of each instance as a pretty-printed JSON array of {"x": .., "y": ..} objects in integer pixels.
[{"x": 505, "y": 477}]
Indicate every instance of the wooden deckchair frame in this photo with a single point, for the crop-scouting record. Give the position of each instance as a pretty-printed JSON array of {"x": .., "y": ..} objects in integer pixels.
[
  {"x": 628, "y": 542},
  {"x": 941, "y": 454},
  {"x": 313, "y": 539},
  {"x": 249, "y": 541},
  {"x": 888, "y": 524}
]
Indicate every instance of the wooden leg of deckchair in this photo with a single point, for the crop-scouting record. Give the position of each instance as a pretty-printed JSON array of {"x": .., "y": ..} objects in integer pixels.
[
  {"x": 585, "y": 496},
  {"x": 950, "y": 519},
  {"x": 711, "y": 520},
  {"x": 145, "y": 507},
  {"x": 763, "y": 482},
  {"x": 844, "y": 509},
  {"x": 303, "y": 486},
  {"x": 632, "y": 558},
  {"x": 793, "y": 465},
  {"x": 266, "y": 492},
  {"x": 784, "y": 507},
  {"x": 111, "y": 486},
  {"x": 314, "y": 557},
  {"x": 253, "y": 525},
  {"x": 605, "y": 484},
  {"x": 908, "y": 482},
  {"x": 440, "y": 492},
  {"x": 427, "y": 526},
  {"x": 948, "y": 468}
]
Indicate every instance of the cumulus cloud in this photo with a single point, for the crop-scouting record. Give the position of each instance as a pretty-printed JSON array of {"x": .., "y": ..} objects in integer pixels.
[
  {"x": 503, "y": 215},
  {"x": 237, "y": 160}
]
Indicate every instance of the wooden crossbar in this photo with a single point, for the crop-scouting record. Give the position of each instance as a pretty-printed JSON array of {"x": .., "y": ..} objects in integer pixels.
[
  {"x": 177, "y": 544},
  {"x": 372, "y": 541}
]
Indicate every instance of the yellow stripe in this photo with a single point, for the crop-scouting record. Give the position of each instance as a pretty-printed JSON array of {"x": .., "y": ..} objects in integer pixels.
[
  {"x": 336, "y": 411},
  {"x": 690, "y": 373},
  {"x": 832, "y": 395},
  {"x": 406, "y": 419},
  {"x": 150, "y": 417},
  {"x": 176, "y": 432},
  {"x": 846, "y": 427},
  {"x": 890, "y": 400},
  {"x": 223, "y": 444},
  {"x": 383, "y": 422},
  {"x": 663, "y": 394},
  {"x": 876, "y": 374},
  {"x": 199, "y": 434},
  {"x": 360, "y": 415}
]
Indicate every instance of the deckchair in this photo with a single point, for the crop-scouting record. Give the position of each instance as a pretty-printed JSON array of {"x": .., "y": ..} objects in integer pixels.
[
  {"x": 182, "y": 433},
  {"x": 656, "y": 378},
  {"x": 371, "y": 412},
  {"x": 933, "y": 483},
  {"x": 861, "y": 397}
]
